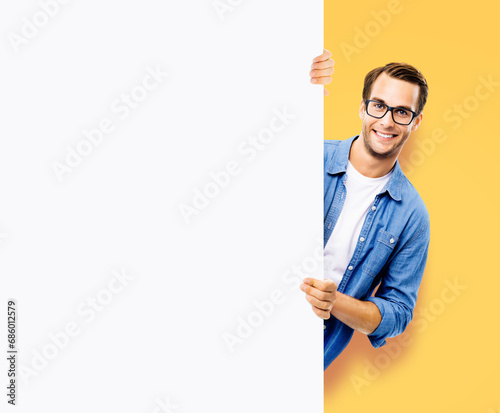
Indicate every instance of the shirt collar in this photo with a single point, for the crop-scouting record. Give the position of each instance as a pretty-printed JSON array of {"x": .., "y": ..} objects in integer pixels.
[{"x": 338, "y": 164}]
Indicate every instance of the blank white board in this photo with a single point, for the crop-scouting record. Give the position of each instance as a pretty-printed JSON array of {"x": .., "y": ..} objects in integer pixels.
[{"x": 161, "y": 200}]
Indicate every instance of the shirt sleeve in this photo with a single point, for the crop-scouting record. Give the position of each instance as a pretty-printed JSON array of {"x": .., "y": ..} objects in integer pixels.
[{"x": 397, "y": 293}]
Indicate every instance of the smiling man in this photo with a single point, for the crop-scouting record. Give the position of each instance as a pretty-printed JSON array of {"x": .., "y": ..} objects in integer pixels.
[{"x": 376, "y": 226}]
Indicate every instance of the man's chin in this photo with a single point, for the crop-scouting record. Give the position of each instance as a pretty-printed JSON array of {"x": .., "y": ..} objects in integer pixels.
[{"x": 379, "y": 153}]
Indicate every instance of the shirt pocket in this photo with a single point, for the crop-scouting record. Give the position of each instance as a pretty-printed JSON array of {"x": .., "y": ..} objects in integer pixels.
[{"x": 379, "y": 255}]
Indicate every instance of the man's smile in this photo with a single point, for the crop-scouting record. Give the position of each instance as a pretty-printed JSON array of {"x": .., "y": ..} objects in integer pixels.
[{"x": 385, "y": 136}]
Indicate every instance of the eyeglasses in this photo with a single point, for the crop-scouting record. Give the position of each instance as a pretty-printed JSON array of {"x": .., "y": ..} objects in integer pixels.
[{"x": 378, "y": 110}]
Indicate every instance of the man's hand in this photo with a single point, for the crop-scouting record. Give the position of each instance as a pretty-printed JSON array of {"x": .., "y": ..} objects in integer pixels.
[
  {"x": 321, "y": 294},
  {"x": 322, "y": 70}
]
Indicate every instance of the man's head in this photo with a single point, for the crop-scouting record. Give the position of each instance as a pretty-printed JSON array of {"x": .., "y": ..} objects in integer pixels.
[{"x": 404, "y": 89}]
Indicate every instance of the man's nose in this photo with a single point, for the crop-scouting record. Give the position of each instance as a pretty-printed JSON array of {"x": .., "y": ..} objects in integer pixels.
[{"x": 387, "y": 119}]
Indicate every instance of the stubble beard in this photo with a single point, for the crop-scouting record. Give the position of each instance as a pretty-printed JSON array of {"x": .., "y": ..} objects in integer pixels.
[{"x": 367, "y": 138}]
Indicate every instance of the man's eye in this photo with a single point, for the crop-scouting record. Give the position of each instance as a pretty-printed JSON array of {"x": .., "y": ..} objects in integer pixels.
[
  {"x": 402, "y": 112},
  {"x": 379, "y": 106}
]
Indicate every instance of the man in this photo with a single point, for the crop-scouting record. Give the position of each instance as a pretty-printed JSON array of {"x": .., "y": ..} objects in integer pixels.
[{"x": 376, "y": 227}]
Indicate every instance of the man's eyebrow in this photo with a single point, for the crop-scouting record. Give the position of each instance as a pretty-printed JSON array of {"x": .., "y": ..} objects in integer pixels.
[{"x": 383, "y": 101}]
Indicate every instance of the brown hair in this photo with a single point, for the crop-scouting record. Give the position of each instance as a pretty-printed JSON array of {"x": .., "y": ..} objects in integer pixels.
[{"x": 401, "y": 71}]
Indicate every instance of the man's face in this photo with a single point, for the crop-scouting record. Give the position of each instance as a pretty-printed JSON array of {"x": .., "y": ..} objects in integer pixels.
[{"x": 383, "y": 138}]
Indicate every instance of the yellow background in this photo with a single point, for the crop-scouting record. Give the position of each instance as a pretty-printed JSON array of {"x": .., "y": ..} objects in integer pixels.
[{"x": 449, "y": 358}]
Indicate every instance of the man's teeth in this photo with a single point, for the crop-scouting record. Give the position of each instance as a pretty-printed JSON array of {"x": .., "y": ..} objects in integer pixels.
[{"x": 383, "y": 135}]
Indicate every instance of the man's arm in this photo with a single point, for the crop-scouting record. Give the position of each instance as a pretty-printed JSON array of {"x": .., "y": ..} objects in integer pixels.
[
  {"x": 363, "y": 316},
  {"x": 396, "y": 295},
  {"x": 387, "y": 313}
]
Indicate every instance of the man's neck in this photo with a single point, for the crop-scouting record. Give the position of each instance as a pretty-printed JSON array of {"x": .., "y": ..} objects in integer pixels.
[{"x": 366, "y": 164}]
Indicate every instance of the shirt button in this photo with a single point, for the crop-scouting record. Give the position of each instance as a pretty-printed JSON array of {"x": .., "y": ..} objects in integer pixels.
[
  {"x": 391, "y": 240},
  {"x": 350, "y": 268},
  {"x": 362, "y": 239},
  {"x": 374, "y": 208}
]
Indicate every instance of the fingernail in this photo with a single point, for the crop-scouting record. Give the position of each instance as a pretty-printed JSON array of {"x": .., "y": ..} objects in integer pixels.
[{"x": 314, "y": 80}]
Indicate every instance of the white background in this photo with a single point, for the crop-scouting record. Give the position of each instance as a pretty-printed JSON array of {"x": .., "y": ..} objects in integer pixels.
[{"x": 157, "y": 342}]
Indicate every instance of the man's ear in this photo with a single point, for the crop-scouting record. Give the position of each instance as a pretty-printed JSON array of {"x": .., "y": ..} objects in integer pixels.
[
  {"x": 362, "y": 109},
  {"x": 416, "y": 122}
]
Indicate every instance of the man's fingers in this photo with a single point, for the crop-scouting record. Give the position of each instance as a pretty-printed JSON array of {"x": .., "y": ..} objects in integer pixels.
[
  {"x": 324, "y": 56},
  {"x": 323, "y": 285},
  {"x": 315, "y": 292},
  {"x": 322, "y": 305},
  {"x": 321, "y": 80},
  {"x": 321, "y": 72},
  {"x": 323, "y": 65},
  {"x": 325, "y": 315}
]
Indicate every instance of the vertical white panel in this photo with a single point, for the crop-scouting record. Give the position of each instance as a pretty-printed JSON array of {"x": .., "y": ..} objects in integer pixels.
[{"x": 161, "y": 199}]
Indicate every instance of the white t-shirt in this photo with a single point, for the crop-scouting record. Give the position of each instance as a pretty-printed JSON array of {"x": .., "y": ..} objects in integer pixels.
[{"x": 360, "y": 194}]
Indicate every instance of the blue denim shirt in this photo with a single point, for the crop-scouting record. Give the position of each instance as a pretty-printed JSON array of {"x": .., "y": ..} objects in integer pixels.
[{"x": 396, "y": 236}]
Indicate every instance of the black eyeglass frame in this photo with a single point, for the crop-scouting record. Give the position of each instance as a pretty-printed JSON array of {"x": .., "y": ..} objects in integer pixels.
[{"x": 390, "y": 108}]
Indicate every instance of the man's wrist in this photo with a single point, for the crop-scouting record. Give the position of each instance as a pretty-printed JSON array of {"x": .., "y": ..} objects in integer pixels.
[{"x": 335, "y": 302}]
